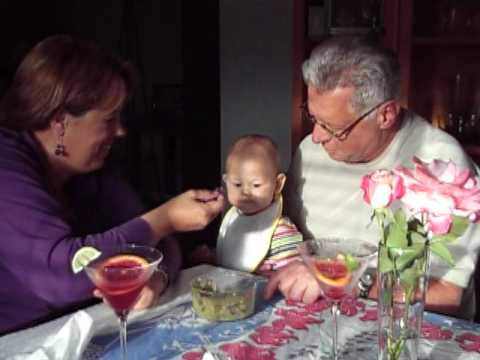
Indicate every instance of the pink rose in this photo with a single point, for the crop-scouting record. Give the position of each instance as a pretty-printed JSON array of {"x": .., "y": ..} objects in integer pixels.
[
  {"x": 381, "y": 188},
  {"x": 440, "y": 190}
]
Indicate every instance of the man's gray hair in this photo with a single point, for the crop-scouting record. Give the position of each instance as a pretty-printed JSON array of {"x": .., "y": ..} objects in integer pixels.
[{"x": 350, "y": 61}]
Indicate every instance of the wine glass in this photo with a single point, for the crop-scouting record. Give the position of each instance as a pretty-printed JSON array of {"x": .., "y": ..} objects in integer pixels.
[
  {"x": 337, "y": 264},
  {"x": 120, "y": 273}
]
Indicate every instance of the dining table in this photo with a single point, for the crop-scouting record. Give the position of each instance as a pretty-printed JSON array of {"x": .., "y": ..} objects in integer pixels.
[{"x": 277, "y": 329}]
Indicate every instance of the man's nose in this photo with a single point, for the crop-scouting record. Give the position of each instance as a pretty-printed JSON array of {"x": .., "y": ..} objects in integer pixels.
[{"x": 320, "y": 135}]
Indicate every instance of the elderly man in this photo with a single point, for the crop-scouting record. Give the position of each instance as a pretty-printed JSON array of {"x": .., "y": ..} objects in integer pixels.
[{"x": 358, "y": 127}]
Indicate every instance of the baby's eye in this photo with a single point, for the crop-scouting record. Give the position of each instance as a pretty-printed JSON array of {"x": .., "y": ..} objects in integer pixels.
[
  {"x": 257, "y": 185},
  {"x": 237, "y": 184}
]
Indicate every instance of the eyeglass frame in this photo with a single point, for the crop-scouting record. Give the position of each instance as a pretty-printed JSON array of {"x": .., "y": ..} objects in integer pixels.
[{"x": 340, "y": 135}]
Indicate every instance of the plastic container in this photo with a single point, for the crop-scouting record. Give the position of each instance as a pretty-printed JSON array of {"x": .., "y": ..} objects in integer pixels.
[{"x": 224, "y": 295}]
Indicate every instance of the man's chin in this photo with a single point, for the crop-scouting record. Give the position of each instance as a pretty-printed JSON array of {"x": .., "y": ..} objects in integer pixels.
[{"x": 336, "y": 156}]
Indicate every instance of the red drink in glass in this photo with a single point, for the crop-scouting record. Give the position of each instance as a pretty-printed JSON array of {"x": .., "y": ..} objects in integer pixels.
[
  {"x": 337, "y": 264},
  {"x": 120, "y": 273},
  {"x": 333, "y": 276},
  {"x": 122, "y": 280}
]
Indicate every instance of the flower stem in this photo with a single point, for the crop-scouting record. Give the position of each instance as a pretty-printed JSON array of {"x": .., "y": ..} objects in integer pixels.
[{"x": 380, "y": 217}]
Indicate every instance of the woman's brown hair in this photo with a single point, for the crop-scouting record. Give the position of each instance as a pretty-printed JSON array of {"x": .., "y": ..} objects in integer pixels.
[{"x": 61, "y": 74}]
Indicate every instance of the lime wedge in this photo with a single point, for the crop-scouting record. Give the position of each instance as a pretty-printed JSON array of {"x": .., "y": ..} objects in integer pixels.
[
  {"x": 351, "y": 263},
  {"x": 83, "y": 257}
]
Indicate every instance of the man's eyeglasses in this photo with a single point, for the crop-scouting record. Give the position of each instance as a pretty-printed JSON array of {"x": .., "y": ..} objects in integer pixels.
[{"x": 340, "y": 135}]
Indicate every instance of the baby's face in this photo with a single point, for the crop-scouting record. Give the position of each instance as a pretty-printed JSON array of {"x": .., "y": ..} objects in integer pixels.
[{"x": 251, "y": 184}]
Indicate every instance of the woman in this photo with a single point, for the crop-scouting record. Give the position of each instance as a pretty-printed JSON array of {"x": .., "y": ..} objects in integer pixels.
[{"x": 58, "y": 122}]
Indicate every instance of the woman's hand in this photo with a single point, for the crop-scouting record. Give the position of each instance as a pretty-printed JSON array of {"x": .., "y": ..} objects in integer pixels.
[
  {"x": 192, "y": 210},
  {"x": 150, "y": 293},
  {"x": 295, "y": 282}
]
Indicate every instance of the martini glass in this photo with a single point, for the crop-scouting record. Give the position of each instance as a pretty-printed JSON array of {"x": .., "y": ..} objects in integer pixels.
[
  {"x": 337, "y": 264},
  {"x": 120, "y": 273}
]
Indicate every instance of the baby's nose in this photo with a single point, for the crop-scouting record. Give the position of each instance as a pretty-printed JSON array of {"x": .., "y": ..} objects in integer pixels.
[{"x": 246, "y": 190}]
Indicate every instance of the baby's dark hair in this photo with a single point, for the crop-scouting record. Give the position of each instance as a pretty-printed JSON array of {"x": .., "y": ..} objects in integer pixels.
[{"x": 252, "y": 144}]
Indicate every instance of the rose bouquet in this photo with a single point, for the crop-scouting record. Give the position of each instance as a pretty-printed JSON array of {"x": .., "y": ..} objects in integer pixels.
[{"x": 419, "y": 211}]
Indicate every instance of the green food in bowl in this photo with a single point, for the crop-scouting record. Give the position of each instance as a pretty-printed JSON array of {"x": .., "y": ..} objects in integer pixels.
[{"x": 226, "y": 299}]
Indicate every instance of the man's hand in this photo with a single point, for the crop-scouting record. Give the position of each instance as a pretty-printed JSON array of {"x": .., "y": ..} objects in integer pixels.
[
  {"x": 295, "y": 282},
  {"x": 442, "y": 297}
]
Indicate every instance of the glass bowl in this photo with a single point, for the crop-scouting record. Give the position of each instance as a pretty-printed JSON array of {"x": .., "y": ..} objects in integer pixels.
[{"x": 223, "y": 296}]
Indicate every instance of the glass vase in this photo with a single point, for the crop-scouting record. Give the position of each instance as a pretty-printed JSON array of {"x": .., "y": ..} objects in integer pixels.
[{"x": 401, "y": 301}]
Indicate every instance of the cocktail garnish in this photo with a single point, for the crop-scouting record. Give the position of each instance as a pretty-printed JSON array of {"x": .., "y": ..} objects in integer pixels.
[
  {"x": 83, "y": 257},
  {"x": 352, "y": 263},
  {"x": 333, "y": 272}
]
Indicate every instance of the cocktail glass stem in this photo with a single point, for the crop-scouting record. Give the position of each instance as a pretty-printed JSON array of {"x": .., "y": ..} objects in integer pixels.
[
  {"x": 334, "y": 310},
  {"x": 123, "y": 335}
]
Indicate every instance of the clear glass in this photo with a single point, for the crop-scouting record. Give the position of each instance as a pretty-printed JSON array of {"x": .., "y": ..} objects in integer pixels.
[
  {"x": 337, "y": 264},
  {"x": 400, "y": 315},
  {"x": 224, "y": 296},
  {"x": 120, "y": 273},
  {"x": 401, "y": 305}
]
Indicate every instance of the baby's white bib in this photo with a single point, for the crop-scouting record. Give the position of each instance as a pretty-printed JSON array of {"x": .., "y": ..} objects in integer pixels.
[{"x": 244, "y": 240}]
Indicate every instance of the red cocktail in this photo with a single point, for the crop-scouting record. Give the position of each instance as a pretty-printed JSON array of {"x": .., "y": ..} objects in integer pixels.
[
  {"x": 337, "y": 264},
  {"x": 334, "y": 277},
  {"x": 120, "y": 273},
  {"x": 122, "y": 280}
]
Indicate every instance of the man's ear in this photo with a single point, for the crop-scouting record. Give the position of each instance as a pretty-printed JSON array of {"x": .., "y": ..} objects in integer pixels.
[
  {"x": 388, "y": 114},
  {"x": 280, "y": 183}
]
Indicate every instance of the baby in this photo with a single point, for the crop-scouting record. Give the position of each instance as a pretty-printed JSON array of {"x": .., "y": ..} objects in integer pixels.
[{"x": 254, "y": 236}]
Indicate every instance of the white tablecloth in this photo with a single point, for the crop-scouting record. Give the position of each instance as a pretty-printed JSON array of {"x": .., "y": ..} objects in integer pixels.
[{"x": 277, "y": 330}]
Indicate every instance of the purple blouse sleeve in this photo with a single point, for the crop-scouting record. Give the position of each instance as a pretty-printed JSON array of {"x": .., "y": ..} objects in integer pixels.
[
  {"x": 39, "y": 242},
  {"x": 115, "y": 203},
  {"x": 40, "y": 235}
]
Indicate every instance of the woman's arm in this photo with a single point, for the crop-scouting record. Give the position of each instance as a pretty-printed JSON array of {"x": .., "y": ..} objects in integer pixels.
[
  {"x": 40, "y": 242},
  {"x": 192, "y": 210}
]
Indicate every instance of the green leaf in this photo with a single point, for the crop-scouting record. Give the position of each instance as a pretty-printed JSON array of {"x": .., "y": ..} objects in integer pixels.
[
  {"x": 351, "y": 263},
  {"x": 400, "y": 219},
  {"x": 445, "y": 239},
  {"x": 409, "y": 255},
  {"x": 385, "y": 264},
  {"x": 459, "y": 226},
  {"x": 408, "y": 278},
  {"x": 397, "y": 236},
  {"x": 417, "y": 238},
  {"x": 442, "y": 252},
  {"x": 394, "y": 252}
]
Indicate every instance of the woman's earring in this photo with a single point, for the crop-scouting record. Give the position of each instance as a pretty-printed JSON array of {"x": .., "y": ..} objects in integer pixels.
[
  {"x": 60, "y": 148},
  {"x": 59, "y": 126}
]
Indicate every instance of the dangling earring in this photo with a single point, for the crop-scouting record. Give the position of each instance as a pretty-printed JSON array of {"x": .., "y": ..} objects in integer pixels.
[
  {"x": 60, "y": 129},
  {"x": 60, "y": 150}
]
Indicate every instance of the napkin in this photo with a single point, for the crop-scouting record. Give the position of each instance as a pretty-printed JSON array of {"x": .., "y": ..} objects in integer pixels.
[{"x": 68, "y": 342}]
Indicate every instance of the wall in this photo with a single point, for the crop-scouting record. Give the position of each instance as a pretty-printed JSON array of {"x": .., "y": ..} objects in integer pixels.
[{"x": 256, "y": 71}]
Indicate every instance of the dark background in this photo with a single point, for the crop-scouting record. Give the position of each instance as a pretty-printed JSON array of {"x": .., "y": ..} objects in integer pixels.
[{"x": 173, "y": 122}]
